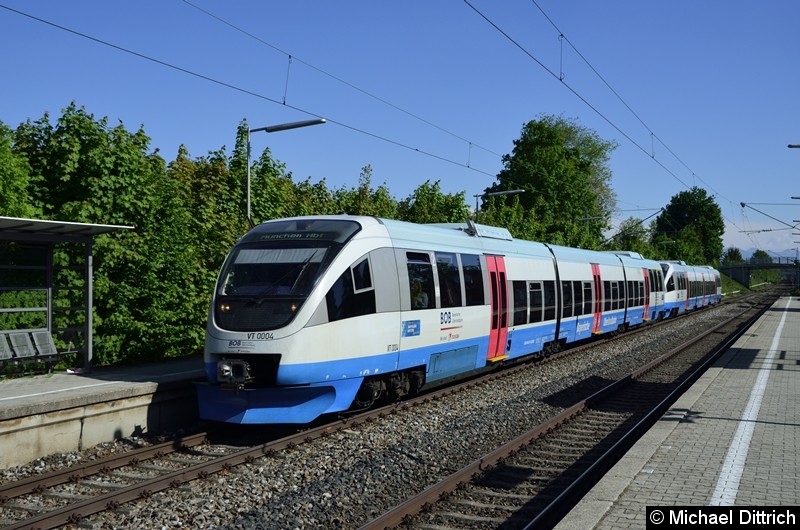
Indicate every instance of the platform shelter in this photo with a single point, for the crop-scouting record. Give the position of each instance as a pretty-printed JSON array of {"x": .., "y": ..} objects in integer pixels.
[{"x": 46, "y": 270}]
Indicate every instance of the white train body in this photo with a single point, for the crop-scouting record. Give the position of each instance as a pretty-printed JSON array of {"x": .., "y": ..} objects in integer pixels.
[
  {"x": 690, "y": 287},
  {"x": 317, "y": 315}
]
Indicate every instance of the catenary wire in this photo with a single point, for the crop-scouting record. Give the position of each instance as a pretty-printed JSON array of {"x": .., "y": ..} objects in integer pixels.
[
  {"x": 338, "y": 79},
  {"x": 560, "y": 78},
  {"x": 243, "y": 90}
]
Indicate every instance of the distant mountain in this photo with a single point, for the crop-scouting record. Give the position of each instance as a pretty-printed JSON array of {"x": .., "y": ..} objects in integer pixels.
[{"x": 788, "y": 253}]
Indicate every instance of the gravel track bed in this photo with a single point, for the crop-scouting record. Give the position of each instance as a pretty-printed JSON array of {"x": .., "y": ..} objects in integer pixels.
[{"x": 352, "y": 476}]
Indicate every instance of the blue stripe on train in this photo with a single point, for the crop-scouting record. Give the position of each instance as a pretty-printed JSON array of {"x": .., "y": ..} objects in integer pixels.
[{"x": 338, "y": 381}]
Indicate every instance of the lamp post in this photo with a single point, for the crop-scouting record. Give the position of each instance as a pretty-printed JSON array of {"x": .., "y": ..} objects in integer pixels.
[
  {"x": 794, "y": 146},
  {"x": 271, "y": 129},
  {"x": 493, "y": 194}
]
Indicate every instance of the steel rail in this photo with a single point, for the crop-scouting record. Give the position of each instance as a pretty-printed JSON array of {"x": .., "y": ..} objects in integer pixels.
[
  {"x": 561, "y": 504},
  {"x": 72, "y": 474},
  {"x": 74, "y": 512},
  {"x": 418, "y": 503}
]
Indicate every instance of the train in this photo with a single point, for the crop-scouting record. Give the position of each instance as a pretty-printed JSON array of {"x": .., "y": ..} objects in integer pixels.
[{"x": 318, "y": 315}]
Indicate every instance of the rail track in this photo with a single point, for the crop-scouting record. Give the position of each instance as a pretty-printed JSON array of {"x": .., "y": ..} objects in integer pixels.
[
  {"x": 71, "y": 495},
  {"x": 534, "y": 480}
]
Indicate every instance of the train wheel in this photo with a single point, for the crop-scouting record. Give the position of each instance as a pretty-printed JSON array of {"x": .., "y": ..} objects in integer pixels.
[
  {"x": 399, "y": 386},
  {"x": 551, "y": 348},
  {"x": 369, "y": 393},
  {"x": 416, "y": 378},
  {"x": 405, "y": 383}
]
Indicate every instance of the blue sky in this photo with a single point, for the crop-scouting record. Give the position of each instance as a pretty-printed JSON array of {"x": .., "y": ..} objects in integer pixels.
[{"x": 703, "y": 93}]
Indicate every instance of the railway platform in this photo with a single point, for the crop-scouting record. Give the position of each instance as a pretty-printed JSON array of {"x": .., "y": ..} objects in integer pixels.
[
  {"x": 68, "y": 411},
  {"x": 732, "y": 440}
]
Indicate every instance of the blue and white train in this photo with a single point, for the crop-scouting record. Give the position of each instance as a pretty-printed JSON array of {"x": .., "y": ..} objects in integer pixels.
[
  {"x": 318, "y": 315},
  {"x": 689, "y": 287}
]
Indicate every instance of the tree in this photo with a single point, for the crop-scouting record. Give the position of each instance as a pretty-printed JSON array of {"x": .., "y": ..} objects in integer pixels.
[
  {"x": 146, "y": 279},
  {"x": 634, "y": 236},
  {"x": 364, "y": 200},
  {"x": 760, "y": 256},
  {"x": 686, "y": 245},
  {"x": 563, "y": 168},
  {"x": 14, "y": 179},
  {"x": 694, "y": 221},
  {"x": 732, "y": 255},
  {"x": 427, "y": 204}
]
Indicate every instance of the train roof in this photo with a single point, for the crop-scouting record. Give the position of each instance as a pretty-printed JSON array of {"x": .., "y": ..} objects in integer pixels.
[
  {"x": 459, "y": 237},
  {"x": 635, "y": 259},
  {"x": 473, "y": 237}
]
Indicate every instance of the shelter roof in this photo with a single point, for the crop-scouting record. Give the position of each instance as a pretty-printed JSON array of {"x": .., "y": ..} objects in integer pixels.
[{"x": 30, "y": 227}]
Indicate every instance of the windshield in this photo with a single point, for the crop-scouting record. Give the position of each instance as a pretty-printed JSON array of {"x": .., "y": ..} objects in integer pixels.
[
  {"x": 262, "y": 272},
  {"x": 270, "y": 273}
]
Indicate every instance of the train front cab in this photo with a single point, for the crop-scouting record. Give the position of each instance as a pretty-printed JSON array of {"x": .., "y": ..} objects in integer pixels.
[{"x": 676, "y": 279}]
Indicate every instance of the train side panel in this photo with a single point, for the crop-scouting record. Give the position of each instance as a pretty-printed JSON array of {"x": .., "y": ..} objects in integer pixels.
[
  {"x": 533, "y": 295},
  {"x": 399, "y": 305}
]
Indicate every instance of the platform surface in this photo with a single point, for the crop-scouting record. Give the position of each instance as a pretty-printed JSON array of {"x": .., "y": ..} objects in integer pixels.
[
  {"x": 732, "y": 440},
  {"x": 38, "y": 394}
]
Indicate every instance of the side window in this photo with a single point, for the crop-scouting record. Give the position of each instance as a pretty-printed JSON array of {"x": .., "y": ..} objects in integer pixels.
[
  {"x": 566, "y": 299},
  {"x": 473, "y": 279},
  {"x": 520, "y": 302},
  {"x": 449, "y": 279},
  {"x": 587, "y": 298},
  {"x": 577, "y": 292},
  {"x": 353, "y": 294},
  {"x": 606, "y": 295},
  {"x": 549, "y": 300},
  {"x": 420, "y": 280},
  {"x": 617, "y": 302},
  {"x": 537, "y": 300},
  {"x": 362, "y": 278}
]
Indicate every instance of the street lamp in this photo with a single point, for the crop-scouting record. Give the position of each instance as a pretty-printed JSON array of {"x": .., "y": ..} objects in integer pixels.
[
  {"x": 272, "y": 129},
  {"x": 493, "y": 194}
]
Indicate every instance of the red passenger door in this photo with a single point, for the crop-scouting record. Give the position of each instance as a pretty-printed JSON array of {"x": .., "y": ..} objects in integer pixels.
[
  {"x": 598, "y": 296},
  {"x": 498, "y": 292}
]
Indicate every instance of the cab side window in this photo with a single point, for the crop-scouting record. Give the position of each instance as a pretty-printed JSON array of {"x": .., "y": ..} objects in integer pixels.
[{"x": 353, "y": 294}]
